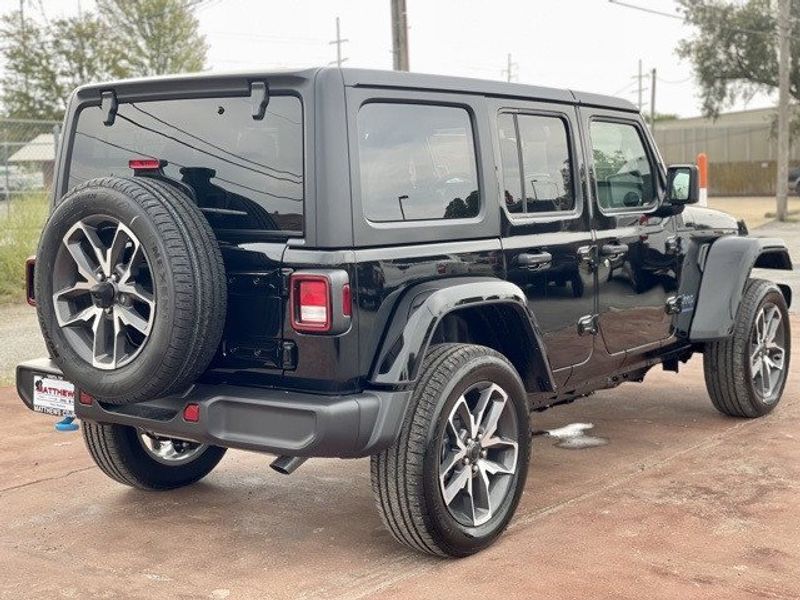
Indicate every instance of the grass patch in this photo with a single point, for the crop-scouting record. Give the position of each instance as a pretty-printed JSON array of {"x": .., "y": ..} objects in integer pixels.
[{"x": 21, "y": 221}]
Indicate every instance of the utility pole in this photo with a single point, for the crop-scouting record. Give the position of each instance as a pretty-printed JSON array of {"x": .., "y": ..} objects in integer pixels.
[
  {"x": 400, "y": 35},
  {"x": 784, "y": 28},
  {"x": 653, "y": 101},
  {"x": 339, "y": 41},
  {"x": 640, "y": 85},
  {"x": 509, "y": 70},
  {"x": 24, "y": 35}
]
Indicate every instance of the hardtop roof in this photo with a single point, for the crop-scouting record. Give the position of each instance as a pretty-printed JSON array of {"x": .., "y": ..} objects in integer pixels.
[{"x": 239, "y": 80}]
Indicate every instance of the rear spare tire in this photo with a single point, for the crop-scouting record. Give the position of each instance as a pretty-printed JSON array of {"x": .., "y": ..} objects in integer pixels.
[{"x": 130, "y": 289}]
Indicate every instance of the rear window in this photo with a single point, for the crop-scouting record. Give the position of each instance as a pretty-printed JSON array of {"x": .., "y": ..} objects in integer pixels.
[
  {"x": 245, "y": 174},
  {"x": 417, "y": 162}
]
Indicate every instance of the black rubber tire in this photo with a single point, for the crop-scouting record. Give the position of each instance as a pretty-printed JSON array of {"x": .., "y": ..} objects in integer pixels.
[
  {"x": 725, "y": 361},
  {"x": 189, "y": 280},
  {"x": 404, "y": 477},
  {"x": 120, "y": 455}
]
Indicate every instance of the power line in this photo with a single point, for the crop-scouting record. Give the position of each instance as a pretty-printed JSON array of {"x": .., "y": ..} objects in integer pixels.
[
  {"x": 338, "y": 42},
  {"x": 652, "y": 11}
]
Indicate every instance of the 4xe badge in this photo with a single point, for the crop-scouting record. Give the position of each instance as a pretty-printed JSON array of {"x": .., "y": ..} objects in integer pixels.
[{"x": 53, "y": 396}]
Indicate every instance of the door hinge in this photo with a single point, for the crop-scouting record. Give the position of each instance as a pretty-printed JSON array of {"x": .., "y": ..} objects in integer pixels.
[
  {"x": 673, "y": 245},
  {"x": 587, "y": 257},
  {"x": 674, "y": 305},
  {"x": 587, "y": 324},
  {"x": 285, "y": 275},
  {"x": 288, "y": 355},
  {"x": 108, "y": 106}
]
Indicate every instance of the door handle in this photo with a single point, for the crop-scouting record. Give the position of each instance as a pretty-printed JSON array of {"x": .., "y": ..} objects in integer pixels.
[
  {"x": 534, "y": 262},
  {"x": 613, "y": 250}
]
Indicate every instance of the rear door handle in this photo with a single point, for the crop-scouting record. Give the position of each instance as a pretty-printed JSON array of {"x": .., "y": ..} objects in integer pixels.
[
  {"x": 613, "y": 250},
  {"x": 534, "y": 262}
]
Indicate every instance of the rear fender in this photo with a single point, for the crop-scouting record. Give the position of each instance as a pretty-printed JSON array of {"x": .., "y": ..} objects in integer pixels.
[
  {"x": 725, "y": 273},
  {"x": 422, "y": 308}
]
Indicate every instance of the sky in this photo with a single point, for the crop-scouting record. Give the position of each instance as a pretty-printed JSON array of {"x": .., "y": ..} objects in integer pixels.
[{"x": 589, "y": 45}]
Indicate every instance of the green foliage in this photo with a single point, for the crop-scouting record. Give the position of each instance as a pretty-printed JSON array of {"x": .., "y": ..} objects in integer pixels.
[
  {"x": 20, "y": 226},
  {"x": 45, "y": 60},
  {"x": 160, "y": 36},
  {"x": 734, "y": 50}
]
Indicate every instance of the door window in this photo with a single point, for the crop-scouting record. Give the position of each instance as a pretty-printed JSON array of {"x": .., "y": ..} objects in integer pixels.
[
  {"x": 417, "y": 162},
  {"x": 623, "y": 173},
  {"x": 540, "y": 144}
]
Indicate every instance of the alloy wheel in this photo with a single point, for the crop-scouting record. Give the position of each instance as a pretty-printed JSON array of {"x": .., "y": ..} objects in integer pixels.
[
  {"x": 768, "y": 352},
  {"x": 478, "y": 454},
  {"x": 169, "y": 451},
  {"x": 104, "y": 295}
]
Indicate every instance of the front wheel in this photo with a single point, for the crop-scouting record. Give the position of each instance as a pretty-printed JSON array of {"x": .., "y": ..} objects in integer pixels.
[
  {"x": 746, "y": 372},
  {"x": 451, "y": 482},
  {"x": 145, "y": 460}
]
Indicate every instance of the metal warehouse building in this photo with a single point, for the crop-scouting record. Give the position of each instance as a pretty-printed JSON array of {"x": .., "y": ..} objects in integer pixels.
[{"x": 740, "y": 147}]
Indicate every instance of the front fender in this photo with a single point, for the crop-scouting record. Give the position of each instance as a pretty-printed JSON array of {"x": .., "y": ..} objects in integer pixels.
[
  {"x": 417, "y": 314},
  {"x": 727, "y": 267}
]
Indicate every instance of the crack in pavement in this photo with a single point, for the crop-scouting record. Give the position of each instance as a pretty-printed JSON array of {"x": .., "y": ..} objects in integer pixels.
[{"x": 43, "y": 479}]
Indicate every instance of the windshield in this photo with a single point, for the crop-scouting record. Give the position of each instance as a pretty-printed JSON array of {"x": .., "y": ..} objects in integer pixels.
[{"x": 245, "y": 174}]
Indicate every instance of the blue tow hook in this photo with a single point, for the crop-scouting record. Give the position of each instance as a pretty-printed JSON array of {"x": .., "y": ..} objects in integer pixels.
[{"x": 67, "y": 424}]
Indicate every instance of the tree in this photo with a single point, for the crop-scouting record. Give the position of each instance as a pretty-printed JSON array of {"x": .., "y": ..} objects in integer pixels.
[
  {"x": 734, "y": 50},
  {"x": 159, "y": 36},
  {"x": 46, "y": 60}
]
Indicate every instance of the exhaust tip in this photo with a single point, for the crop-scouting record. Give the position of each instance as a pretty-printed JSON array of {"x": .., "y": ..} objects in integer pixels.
[{"x": 287, "y": 465}]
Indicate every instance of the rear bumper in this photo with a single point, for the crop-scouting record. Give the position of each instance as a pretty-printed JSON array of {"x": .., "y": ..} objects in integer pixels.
[{"x": 263, "y": 420}]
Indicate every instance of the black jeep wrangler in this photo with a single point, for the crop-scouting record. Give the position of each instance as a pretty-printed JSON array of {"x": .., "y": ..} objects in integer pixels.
[{"x": 348, "y": 263}]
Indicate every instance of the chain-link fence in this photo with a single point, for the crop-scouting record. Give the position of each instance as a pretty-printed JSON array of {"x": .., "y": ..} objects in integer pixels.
[{"x": 27, "y": 156}]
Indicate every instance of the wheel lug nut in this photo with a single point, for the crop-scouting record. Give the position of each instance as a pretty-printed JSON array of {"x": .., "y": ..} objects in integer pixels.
[
  {"x": 466, "y": 460},
  {"x": 474, "y": 468},
  {"x": 483, "y": 453}
]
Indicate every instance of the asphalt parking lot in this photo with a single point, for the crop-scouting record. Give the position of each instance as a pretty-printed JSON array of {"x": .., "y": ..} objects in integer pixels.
[{"x": 680, "y": 502}]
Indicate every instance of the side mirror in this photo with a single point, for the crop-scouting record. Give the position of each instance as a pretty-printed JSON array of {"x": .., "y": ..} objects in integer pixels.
[{"x": 683, "y": 185}]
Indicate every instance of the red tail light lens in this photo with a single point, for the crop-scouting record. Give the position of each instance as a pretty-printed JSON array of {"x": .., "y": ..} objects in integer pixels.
[
  {"x": 144, "y": 164},
  {"x": 311, "y": 303}
]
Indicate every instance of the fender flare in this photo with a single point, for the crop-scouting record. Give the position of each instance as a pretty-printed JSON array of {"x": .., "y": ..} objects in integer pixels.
[
  {"x": 726, "y": 270},
  {"x": 423, "y": 306}
]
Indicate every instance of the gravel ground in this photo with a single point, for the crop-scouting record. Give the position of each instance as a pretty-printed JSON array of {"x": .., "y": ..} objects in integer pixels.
[
  {"x": 20, "y": 338},
  {"x": 678, "y": 502}
]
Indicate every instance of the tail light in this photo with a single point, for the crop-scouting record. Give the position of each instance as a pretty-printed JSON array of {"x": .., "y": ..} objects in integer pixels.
[
  {"x": 320, "y": 301},
  {"x": 310, "y": 298},
  {"x": 30, "y": 264}
]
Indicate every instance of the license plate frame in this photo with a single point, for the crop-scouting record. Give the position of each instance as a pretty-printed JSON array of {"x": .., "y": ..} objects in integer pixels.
[{"x": 53, "y": 395}]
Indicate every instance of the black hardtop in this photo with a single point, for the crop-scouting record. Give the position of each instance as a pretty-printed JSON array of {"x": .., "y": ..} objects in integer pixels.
[{"x": 236, "y": 83}]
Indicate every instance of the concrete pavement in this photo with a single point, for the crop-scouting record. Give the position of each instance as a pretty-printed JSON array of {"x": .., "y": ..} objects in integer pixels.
[{"x": 681, "y": 503}]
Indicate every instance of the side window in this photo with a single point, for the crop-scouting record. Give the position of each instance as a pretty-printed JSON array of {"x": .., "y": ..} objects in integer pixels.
[
  {"x": 622, "y": 170},
  {"x": 417, "y": 162},
  {"x": 544, "y": 183}
]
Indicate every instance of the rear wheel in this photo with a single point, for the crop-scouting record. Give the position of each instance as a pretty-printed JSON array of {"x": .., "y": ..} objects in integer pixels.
[
  {"x": 147, "y": 461},
  {"x": 452, "y": 481},
  {"x": 746, "y": 372}
]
